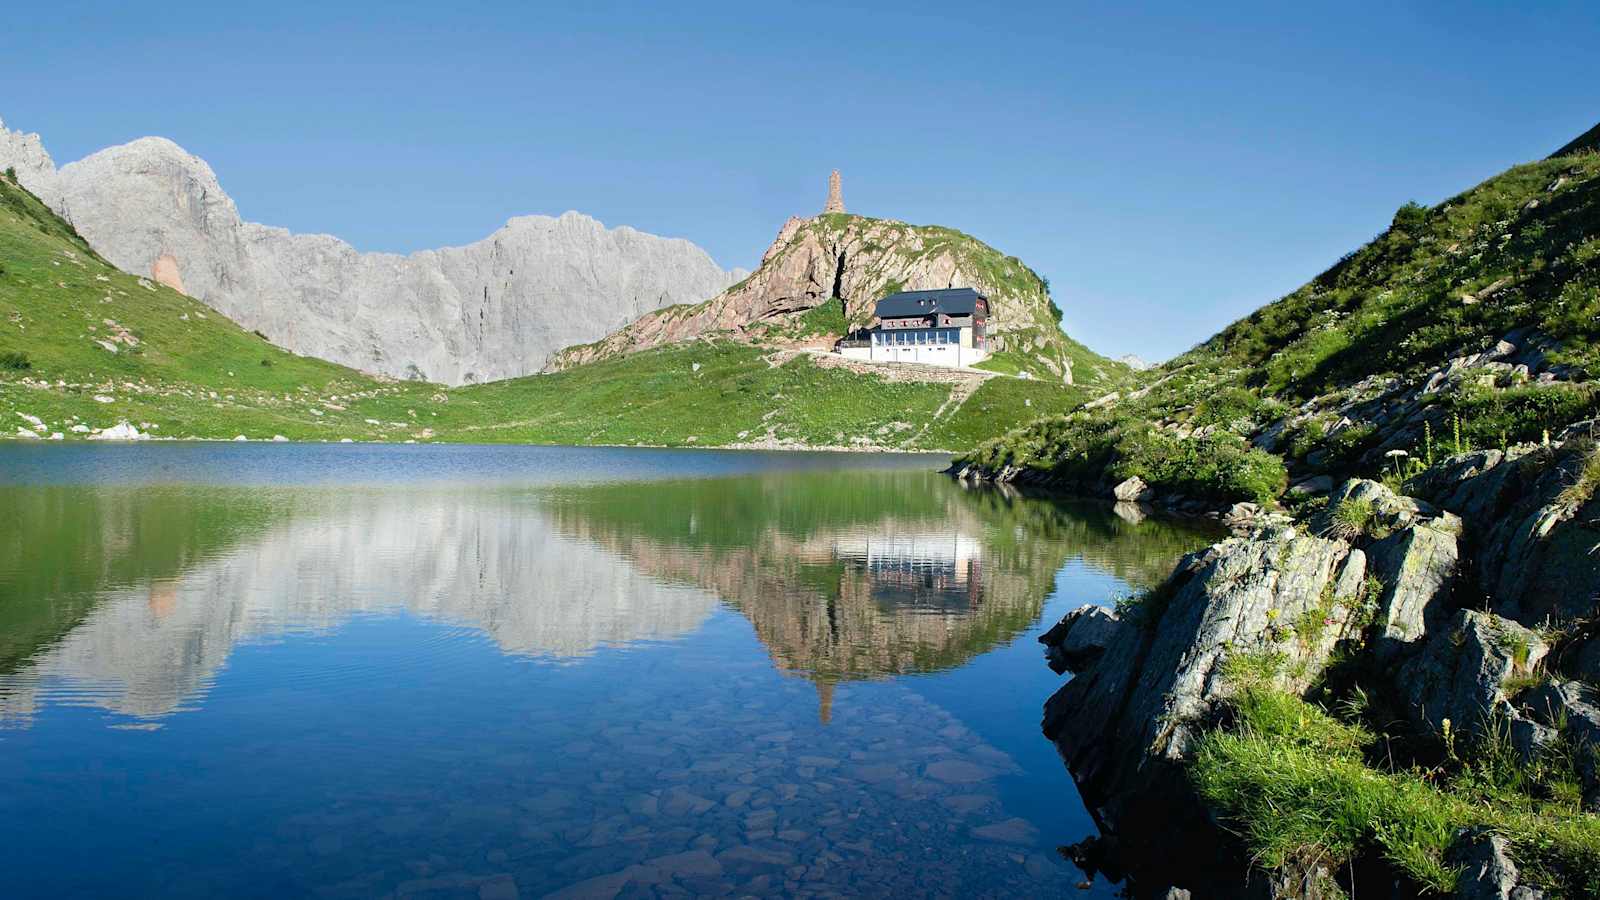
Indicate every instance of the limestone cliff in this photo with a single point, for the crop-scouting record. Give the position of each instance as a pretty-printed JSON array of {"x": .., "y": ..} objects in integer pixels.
[
  {"x": 853, "y": 261},
  {"x": 489, "y": 310}
]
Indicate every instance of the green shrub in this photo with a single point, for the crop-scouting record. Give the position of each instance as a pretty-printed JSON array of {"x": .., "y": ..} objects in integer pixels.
[
  {"x": 1347, "y": 445},
  {"x": 1084, "y": 448},
  {"x": 1220, "y": 467},
  {"x": 1490, "y": 416},
  {"x": 15, "y": 360},
  {"x": 1232, "y": 408},
  {"x": 1410, "y": 218}
]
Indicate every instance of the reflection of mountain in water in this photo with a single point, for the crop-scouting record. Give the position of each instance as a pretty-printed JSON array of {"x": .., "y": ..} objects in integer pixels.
[
  {"x": 845, "y": 575},
  {"x": 852, "y": 575},
  {"x": 143, "y": 592},
  {"x": 488, "y": 560}
]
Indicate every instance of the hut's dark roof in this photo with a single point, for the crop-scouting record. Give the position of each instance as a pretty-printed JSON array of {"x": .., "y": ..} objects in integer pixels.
[{"x": 949, "y": 301}]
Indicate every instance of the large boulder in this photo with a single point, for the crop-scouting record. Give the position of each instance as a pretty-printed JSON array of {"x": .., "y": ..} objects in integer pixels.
[
  {"x": 1133, "y": 490},
  {"x": 122, "y": 431},
  {"x": 1080, "y": 638},
  {"x": 1532, "y": 530},
  {"x": 1412, "y": 555},
  {"x": 1461, "y": 673},
  {"x": 1417, "y": 568}
]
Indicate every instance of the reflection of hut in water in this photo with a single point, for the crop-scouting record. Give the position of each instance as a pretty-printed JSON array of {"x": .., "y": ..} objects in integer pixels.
[
  {"x": 847, "y": 577},
  {"x": 932, "y": 569},
  {"x": 859, "y": 602}
]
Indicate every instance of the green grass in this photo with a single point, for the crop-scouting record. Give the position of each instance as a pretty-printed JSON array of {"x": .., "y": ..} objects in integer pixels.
[
  {"x": 1298, "y": 784},
  {"x": 659, "y": 397},
  {"x": 1492, "y": 416},
  {"x": 180, "y": 369},
  {"x": 1000, "y": 404},
  {"x": 1351, "y": 518}
]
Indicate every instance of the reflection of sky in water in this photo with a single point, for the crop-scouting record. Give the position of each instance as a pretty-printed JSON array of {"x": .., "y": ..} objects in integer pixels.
[{"x": 448, "y": 690}]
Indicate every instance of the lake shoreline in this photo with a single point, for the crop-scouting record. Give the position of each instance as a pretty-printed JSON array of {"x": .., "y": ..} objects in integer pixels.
[{"x": 748, "y": 447}]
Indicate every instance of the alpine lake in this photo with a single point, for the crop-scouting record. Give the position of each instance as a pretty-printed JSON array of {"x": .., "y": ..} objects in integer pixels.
[{"x": 301, "y": 670}]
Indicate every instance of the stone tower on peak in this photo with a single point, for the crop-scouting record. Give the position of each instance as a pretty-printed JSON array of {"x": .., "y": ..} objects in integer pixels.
[{"x": 835, "y": 195}]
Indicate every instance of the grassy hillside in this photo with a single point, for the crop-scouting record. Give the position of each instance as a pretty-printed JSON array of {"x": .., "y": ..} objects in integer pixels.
[
  {"x": 1397, "y": 347},
  {"x": 85, "y": 345}
]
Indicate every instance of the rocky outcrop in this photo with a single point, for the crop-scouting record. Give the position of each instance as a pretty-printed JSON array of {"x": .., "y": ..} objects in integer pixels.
[
  {"x": 854, "y": 261},
  {"x": 1415, "y": 547},
  {"x": 35, "y": 170},
  {"x": 1132, "y": 490},
  {"x": 493, "y": 309},
  {"x": 1155, "y": 674},
  {"x": 1128, "y": 717},
  {"x": 1080, "y": 638},
  {"x": 1533, "y": 527},
  {"x": 1396, "y": 413},
  {"x": 1461, "y": 675}
]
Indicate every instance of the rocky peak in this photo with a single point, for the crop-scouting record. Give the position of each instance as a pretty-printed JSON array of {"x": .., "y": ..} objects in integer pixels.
[
  {"x": 855, "y": 261},
  {"x": 35, "y": 170},
  {"x": 492, "y": 309}
]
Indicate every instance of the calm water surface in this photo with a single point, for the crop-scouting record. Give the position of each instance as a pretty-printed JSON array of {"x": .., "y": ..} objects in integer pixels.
[{"x": 300, "y": 670}]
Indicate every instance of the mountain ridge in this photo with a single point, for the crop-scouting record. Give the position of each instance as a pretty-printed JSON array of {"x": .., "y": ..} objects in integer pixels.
[{"x": 490, "y": 309}]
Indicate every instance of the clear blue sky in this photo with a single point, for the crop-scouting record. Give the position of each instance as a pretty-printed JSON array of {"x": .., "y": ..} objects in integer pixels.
[{"x": 1168, "y": 168}]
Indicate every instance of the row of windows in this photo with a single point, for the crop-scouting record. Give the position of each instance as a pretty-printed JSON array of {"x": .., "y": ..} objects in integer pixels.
[{"x": 919, "y": 336}]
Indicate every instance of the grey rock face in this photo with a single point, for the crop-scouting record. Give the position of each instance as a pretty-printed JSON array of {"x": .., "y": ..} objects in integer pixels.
[
  {"x": 1461, "y": 673},
  {"x": 1533, "y": 542},
  {"x": 1570, "y": 709},
  {"x": 1417, "y": 568},
  {"x": 1080, "y": 637},
  {"x": 494, "y": 309},
  {"x": 1135, "y": 710},
  {"x": 1487, "y": 872},
  {"x": 1149, "y": 680},
  {"x": 35, "y": 170}
]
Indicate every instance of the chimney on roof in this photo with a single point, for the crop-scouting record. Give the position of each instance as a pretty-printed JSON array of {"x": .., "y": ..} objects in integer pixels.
[{"x": 835, "y": 195}]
